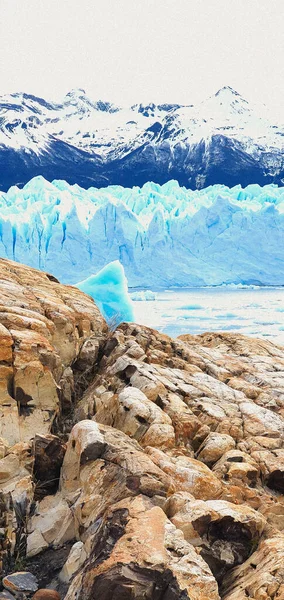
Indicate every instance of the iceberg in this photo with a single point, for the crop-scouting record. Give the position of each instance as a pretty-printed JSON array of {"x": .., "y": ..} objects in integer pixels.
[
  {"x": 164, "y": 236},
  {"x": 109, "y": 290}
]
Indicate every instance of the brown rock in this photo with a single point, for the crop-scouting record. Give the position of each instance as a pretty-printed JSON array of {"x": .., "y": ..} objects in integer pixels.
[
  {"x": 214, "y": 446},
  {"x": 47, "y": 324},
  {"x": 225, "y": 533},
  {"x": 192, "y": 427},
  {"x": 261, "y": 576},
  {"x": 103, "y": 465},
  {"x": 188, "y": 474},
  {"x": 134, "y": 414},
  {"x": 142, "y": 552},
  {"x": 46, "y": 595}
]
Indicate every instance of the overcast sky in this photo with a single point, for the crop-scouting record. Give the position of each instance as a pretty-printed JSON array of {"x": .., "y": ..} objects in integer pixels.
[{"x": 143, "y": 50}]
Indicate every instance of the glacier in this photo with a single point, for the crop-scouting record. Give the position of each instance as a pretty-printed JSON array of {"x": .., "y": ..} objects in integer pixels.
[
  {"x": 163, "y": 235},
  {"x": 109, "y": 289}
]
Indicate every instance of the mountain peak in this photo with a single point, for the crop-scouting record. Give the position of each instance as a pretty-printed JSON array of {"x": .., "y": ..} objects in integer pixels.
[
  {"x": 76, "y": 93},
  {"x": 226, "y": 89}
]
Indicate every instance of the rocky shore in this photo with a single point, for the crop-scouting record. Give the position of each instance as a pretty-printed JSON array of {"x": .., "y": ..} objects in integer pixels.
[{"x": 133, "y": 465}]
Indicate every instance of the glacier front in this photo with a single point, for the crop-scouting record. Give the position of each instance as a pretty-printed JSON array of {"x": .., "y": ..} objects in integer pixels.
[{"x": 163, "y": 235}]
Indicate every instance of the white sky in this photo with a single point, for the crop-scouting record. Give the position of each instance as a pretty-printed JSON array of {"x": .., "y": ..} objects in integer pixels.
[{"x": 129, "y": 51}]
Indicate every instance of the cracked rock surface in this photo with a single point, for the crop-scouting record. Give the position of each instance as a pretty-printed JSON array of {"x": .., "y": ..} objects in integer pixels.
[{"x": 133, "y": 465}]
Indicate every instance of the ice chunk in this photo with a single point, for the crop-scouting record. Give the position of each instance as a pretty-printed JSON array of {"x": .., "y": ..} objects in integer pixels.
[
  {"x": 142, "y": 295},
  {"x": 109, "y": 290}
]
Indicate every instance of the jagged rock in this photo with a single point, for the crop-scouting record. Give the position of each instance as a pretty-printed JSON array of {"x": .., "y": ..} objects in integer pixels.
[
  {"x": 52, "y": 524},
  {"x": 261, "y": 575},
  {"x": 226, "y": 533},
  {"x": 75, "y": 559},
  {"x": 35, "y": 543},
  {"x": 188, "y": 474},
  {"x": 3, "y": 448},
  {"x": 88, "y": 354},
  {"x": 189, "y": 428},
  {"x": 23, "y": 581},
  {"x": 67, "y": 389},
  {"x": 102, "y": 466},
  {"x": 271, "y": 467},
  {"x": 49, "y": 451},
  {"x": 16, "y": 469},
  {"x": 238, "y": 468},
  {"x": 47, "y": 325},
  {"x": 86, "y": 443},
  {"x": 5, "y": 595},
  {"x": 134, "y": 414},
  {"x": 6, "y": 345},
  {"x": 137, "y": 553}
]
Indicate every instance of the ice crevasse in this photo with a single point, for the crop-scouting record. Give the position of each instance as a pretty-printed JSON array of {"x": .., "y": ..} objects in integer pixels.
[{"x": 163, "y": 235}]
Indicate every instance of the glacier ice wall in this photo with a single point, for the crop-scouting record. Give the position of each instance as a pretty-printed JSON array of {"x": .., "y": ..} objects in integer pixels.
[{"x": 163, "y": 235}]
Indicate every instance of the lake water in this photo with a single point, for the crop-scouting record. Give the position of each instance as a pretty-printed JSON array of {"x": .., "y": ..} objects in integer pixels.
[{"x": 257, "y": 312}]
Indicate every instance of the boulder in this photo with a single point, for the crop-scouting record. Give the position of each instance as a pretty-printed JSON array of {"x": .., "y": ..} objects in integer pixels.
[
  {"x": 22, "y": 581},
  {"x": 102, "y": 466},
  {"x": 188, "y": 474},
  {"x": 134, "y": 414},
  {"x": 260, "y": 576},
  {"x": 45, "y": 594},
  {"x": 136, "y": 550},
  {"x": 225, "y": 533},
  {"x": 52, "y": 524},
  {"x": 74, "y": 561},
  {"x": 214, "y": 446}
]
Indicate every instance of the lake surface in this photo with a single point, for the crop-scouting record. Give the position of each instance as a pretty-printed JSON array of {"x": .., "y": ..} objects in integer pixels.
[{"x": 257, "y": 312}]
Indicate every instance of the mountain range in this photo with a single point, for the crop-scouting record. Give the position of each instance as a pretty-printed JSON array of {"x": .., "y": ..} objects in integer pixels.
[{"x": 224, "y": 139}]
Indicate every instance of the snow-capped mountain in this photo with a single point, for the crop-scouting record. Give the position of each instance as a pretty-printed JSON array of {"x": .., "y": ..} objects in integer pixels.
[
  {"x": 163, "y": 235},
  {"x": 222, "y": 140}
]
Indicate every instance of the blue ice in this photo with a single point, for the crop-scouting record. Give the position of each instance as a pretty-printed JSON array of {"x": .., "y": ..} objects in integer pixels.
[
  {"x": 165, "y": 236},
  {"x": 109, "y": 290},
  {"x": 191, "y": 307}
]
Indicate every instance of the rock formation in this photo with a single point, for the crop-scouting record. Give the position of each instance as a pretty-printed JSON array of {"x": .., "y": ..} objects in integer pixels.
[{"x": 134, "y": 465}]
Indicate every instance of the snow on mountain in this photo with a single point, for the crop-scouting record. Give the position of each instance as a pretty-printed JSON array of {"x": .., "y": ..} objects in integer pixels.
[
  {"x": 163, "y": 235},
  {"x": 224, "y": 139}
]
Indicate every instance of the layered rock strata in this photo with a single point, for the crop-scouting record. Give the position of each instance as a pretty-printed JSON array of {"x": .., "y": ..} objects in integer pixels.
[
  {"x": 170, "y": 483},
  {"x": 43, "y": 327}
]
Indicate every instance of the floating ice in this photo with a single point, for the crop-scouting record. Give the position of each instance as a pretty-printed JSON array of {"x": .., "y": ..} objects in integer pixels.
[
  {"x": 163, "y": 235},
  {"x": 109, "y": 290},
  {"x": 191, "y": 307},
  {"x": 142, "y": 295}
]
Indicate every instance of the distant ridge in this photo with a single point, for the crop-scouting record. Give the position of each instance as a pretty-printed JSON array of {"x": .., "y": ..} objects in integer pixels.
[{"x": 224, "y": 139}]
